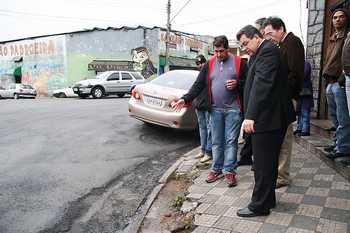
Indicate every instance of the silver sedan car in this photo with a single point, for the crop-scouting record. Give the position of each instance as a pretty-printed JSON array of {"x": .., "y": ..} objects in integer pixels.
[{"x": 151, "y": 102}]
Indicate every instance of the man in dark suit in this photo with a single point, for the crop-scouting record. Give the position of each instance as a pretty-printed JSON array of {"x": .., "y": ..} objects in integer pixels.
[{"x": 268, "y": 112}]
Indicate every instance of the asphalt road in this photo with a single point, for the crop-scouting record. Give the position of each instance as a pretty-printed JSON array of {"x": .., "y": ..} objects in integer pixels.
[{"x": 71, "y": 165}]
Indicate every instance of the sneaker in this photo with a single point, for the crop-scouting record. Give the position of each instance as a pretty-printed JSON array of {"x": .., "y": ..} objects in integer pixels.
[
  {"x": 230, "y": 179},
  {"x": 213, "y": 176},
  {"x": 200, "y": 155},
  {"x": 206, "y": 158}
]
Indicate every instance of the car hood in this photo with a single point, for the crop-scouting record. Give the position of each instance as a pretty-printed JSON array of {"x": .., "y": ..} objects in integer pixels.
[{"x": 89, "y": 82}]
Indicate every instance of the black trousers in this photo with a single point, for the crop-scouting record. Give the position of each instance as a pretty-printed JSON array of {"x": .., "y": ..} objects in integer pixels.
[
  {"x": 266, "y": 148},
  {"x": 247, "y": 151}
]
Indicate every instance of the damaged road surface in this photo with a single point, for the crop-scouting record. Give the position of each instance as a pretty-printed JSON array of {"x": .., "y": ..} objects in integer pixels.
[{"x": 72, "y": 165}]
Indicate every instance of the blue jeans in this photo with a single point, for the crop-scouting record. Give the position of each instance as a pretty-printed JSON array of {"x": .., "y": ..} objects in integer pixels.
[
  {"x": 225, "y": 127},
  {"x": 337, "y": 97},
  {"x": 332, "y": 107},
  {"x": 304, "y": 120},
  {"x": 204, "y": 126},
  {"x": 347, "y": 88}
]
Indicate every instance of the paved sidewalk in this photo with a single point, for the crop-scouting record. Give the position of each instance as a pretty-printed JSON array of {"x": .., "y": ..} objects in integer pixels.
[{"x": 318, "y": 201}]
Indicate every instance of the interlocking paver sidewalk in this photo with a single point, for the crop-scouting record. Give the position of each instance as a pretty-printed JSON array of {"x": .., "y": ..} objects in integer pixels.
[{"x": 318, "y": 201}]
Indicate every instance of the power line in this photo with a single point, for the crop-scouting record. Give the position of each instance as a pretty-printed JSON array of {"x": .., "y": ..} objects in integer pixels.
[{"x": 180, "y": 10}]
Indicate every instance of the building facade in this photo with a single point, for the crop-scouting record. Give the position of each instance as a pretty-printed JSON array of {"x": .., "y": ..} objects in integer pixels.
[{"x": 56, "y": 61}]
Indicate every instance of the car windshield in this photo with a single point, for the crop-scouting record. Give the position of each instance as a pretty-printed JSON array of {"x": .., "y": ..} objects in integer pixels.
[
  {"x": 178, "y": 80},
  {"x": 26, "y": 86}
]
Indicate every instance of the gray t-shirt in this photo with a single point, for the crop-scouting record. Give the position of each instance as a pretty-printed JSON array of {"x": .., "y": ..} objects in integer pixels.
[{"x": 222, "y": 71}]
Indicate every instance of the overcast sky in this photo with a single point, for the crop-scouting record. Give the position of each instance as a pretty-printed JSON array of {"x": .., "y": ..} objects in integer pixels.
[{"x": 25, "y": 18}]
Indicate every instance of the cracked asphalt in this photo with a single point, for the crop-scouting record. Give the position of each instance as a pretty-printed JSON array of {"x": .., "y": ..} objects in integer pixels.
[{"x": 71, "y": 165}]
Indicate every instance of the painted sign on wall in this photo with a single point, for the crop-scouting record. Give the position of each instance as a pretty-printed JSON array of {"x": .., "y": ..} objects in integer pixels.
[{"x": 42, "y": 63}]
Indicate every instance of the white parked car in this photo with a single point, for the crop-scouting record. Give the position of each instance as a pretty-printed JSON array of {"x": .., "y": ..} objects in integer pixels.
[
  {"x": 64, "y": 93},
  {"x": 107, "y": 83},
  {"x": 18, "y": 90}
]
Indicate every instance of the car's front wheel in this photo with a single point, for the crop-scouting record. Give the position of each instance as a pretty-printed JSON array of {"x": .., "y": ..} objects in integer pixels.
[
  {"x": 97, "y": 92},
  {"x": 62, "y": 95}
]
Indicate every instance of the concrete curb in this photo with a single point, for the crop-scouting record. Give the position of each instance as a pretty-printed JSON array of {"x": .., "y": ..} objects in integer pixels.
[{"x": 134, "y": 228}]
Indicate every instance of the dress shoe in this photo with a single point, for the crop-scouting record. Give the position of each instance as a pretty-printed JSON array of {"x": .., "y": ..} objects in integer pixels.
[
  {"x": 244, "y": 162},
  {"x": 334, "y": 155},
  {"x": 246, "y": 212},
  {"x": 329, "y": 148}
]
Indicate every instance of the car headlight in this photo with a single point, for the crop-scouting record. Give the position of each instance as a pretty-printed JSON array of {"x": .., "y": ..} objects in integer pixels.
[{"x": 87, "y": 86}]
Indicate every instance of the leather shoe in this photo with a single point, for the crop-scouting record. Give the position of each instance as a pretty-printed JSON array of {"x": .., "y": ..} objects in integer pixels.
[
  {"x": 246, "y": 213},
  {"x": 336, "y": 155}
]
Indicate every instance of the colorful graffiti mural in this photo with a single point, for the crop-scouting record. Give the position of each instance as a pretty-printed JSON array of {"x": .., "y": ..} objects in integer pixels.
[
  {"x": 43, "y": 62},
  {"x": 142, "y": 62}
]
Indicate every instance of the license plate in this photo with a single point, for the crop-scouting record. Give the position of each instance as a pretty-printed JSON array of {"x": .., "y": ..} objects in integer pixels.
[
  {"x": 154, "y": 101},
  {"x": 75, "y": 89}
]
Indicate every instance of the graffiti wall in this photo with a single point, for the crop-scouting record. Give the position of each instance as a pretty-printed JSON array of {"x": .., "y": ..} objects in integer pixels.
[
  {"x": 106, "y": 45},
  {"x": 42, "y": 63},
  {"x": 183, "y": 45}
]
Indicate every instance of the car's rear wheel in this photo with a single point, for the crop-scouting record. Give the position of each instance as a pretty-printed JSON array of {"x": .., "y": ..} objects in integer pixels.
[
  {"x": 120, "y": 95},
  {"x": 62, "y": 95},
  {"x": 15, "y": 96},
  {"x": 97, "y": 92}
]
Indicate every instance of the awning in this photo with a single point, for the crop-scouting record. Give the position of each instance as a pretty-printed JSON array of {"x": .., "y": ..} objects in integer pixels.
[{"x": 106, "y": 65}]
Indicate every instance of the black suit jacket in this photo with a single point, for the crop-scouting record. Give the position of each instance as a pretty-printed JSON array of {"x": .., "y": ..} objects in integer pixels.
[{"x": 266, "y": 97}]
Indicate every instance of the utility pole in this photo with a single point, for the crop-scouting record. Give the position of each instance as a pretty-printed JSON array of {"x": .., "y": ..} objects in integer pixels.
[{"x": 167, "y": 40}]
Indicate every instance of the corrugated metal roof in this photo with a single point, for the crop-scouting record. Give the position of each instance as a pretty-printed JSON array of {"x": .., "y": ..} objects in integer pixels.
[{"x": 126, "y": 28}]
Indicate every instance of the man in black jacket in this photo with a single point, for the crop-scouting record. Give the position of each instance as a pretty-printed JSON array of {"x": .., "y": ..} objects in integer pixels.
[
  {"x": 203, "y": 116},
  {"x": 221, "y": 77},
  {"x": 268, "y": 112}
]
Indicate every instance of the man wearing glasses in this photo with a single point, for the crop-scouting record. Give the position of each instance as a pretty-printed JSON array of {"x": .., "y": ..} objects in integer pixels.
[{"x": 267, "y": 114}]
